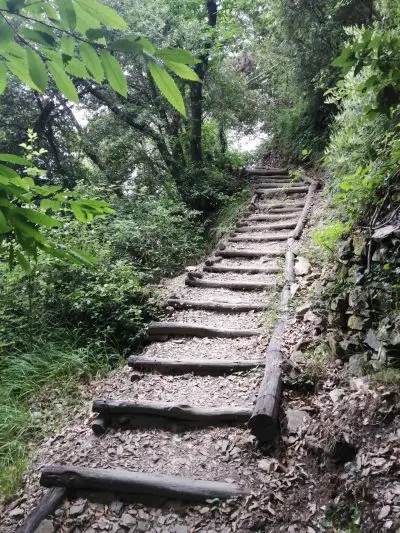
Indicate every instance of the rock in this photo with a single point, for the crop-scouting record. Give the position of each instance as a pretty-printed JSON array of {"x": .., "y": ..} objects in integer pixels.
[
  {"x": 103, "y": 523},
  {"x": 313, "y": 318},
  {"x": 141, "y": 526},
  {"x": 383, "y": 233},
  {"x": 336, "y": 395},
  {"x": 384, "y": 512},
  {"x": 18, "y": 512},
  {"x": 343, "y": 451},
  {"x": 371, "y": 340},
  {"x": 301, "y": 310},
  {"x": 127, "y": 521},
  {"x": 295, "y": 419},
  {"x": 357, "y": 364},
  {"x": 359, "y": 244},
  {"x": 334, "y": 345},
  {"x": 298, "y": 358},
  {"x": 77, "y": 507},
  {"x": 302, "y": 266},
  {"x": 181, "y": 529},
  {"x": 191, "y": 269},
  {"x": 356, "y": 322},
  {"x": 46, "y": 526},
  {"x": 267, "y": 465},
  {"x": 340, "y": 303},
  {"x": 345, "y": 250}
]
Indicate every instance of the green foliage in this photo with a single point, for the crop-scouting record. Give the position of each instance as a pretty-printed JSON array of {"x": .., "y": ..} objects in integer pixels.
[
  {"x": 229, "y": 213},
  {"x": 40, "y": 375},
  {"x": 328, "y": 237}
]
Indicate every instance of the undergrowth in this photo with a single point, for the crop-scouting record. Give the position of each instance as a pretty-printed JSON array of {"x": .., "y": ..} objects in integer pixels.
[{"x": 36, "y": 384}]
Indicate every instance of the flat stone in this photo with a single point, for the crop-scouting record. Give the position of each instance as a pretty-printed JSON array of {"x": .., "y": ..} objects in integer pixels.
[
  {"x": 313, "y": 318},
  {"x": 372, "y": 341},
  {"x": 267, "y": 465},
  {"x": 302, "y": 266},
  {"x": 17, "y": 512},
  {"x": 301, "y": 310},
  {"x": 383, "y": 233},
  {"x": 357, "y": 364},
  {"x": 336, "y": 395},
  {"x": 46, "y": 526},
  {"x": 127, "y": 521},
  {"x": 116, "y": 507},
  {"x": 384, "y": 512},
  {"x": 181, "y": 529},
  {"x": 295, "y": 419},
  {"x": 141, "y": 526},
  {"x": 77, "y": 507}
]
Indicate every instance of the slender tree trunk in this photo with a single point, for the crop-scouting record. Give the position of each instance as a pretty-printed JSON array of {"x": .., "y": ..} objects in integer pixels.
[{"x": 196, "y": 91}]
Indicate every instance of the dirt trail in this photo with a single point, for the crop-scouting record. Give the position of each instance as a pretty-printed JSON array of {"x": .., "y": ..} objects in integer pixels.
[{"x": 163, "y": 444}]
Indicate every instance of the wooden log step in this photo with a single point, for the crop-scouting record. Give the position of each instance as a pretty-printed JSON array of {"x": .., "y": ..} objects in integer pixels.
[
  {"x": 46, "y": 507},
  {"x": 260, "y": 238},
  {"x": 261, "y": 217},
  {"x": 231, "y": 285},
  {"x": 203, "y": 367},
  {"x": 200, "y": 416},
  {"x": 287, "y": 190},
  {"x": 248, "y": 254},
  {"x": 268, "y": 171},
  {"x": 272, "y": 179},
  {"x": 223, "y": 307},
  {"x": 137, "y": 483},
  {"x": 242, "y": 269},
  {"x": 184, "y": 329},
  {"x": 294, "y": 210},
  {"x": 277, "y": 185},
  {"x": 265, "y": 227}
]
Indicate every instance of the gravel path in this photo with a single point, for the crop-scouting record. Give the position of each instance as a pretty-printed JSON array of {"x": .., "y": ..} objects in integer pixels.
[{"x": 224, "y": 453}]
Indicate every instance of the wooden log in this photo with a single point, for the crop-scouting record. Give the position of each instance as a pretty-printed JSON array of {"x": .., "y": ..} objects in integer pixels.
[
  {"x": 285, "y": 190},
  {"x": 242, "y": 269},
  {"x": 268, "y": 171},
  {"x": 265, "y": 227},
  {"x": 264, "y": 419},
  {"x": 202, "y": 367},
  {"x": 295, "y": 210},
  {"x": 99, "y": 426},
  {"x": 289, "y": 263},
  {"x": 212, "y": 260},
  {"x": 138, "y": 483},
  {"x": 303, "y": 217},
  {"x": 273, "y": 179},
  {"x": 184, "y": 329},
  {"x": 223, "y": 307},
  {"x": 277, "y": 185},
  {"x": 174, "y": 411},
  {"x": 261, "y": 217},
  {"x": 248, "y": 254},
  {"x": 231, "y": 285},
  {"x": 46, "y": 507},
  {"x": 261, "y": 238}
]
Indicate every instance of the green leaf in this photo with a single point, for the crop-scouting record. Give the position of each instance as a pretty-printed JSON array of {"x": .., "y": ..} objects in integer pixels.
[
  {"x": 92, "y": 62},
  {"x": 37, "y": 69},
  {"x": 67, "y": 45},
  {"x": 125, "y": 45},
  {"x": 183, "y": 71},
  {"x": 77, "y": 69},
  {"x": 23, "y": 261},
  {"x": 41, "y": 37},
  {"x": 19, "y": 67},
  {"x": 167, "y": 86},
  {"x": 6, "y": 33},
  {"x": 38, "y": 218},
  {"x": 4, "y": 226},
  {"x": 94, "y": 34},
  {"x": 54, "y": 205},
  {"x": 16, "y": 159},
  {"x": 8, "y": 172},
  {"x": 178, "y": 55},
  {"x": 67, "y": 12},
  {"x": 3, "y": 78},
  {"x": 343, "y": 58},
  {"x": 26, "y": 231},
  {"x": 63, "y": 82},
  {"x": 104, "y": 14},
  {"x": 114, "y": 73}
]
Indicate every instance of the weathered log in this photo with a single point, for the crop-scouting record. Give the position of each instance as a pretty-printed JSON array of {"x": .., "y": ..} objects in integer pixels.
[
  {"x": 260, "y": 238},
  {"x": 277, "y": 185},
  {"x": 264, "y": 419},
  {"x": 213, "y": 367},
  {"x": 286, "y": 190},
  {"x": 212, "y": 260},
  {"x": 265, "y": 227},
  {"x": 242, "y": 269},
  {"x": 99, "y": 425},
  {"x": 289, "y": 263},
  {"x": 223, "y": 307},
  {"x": 274, "y": 216},
  {"x": 249, "y": 254},
  {"x": 139, "y": 483},
  {"x": 46, "y": 507},
  {"x": 295, "y": 209},
  {"x": 174, "y": 411},
  {"x": 268, "y": 171},
  {"x": 184, "y": 329},
  {"x": 303, "y": 217},
  {"x": 231, "y": 285}
]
